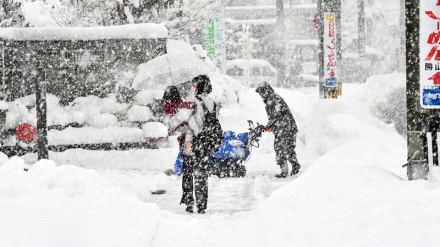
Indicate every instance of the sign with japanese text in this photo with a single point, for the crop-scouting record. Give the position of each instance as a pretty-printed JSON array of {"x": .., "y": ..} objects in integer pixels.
[
  {"x": 430, "y": 53},
  {"x": 330, "y": 61},
  {"x": 219, "y": 39},
  {"x": 208, "y": 37}
]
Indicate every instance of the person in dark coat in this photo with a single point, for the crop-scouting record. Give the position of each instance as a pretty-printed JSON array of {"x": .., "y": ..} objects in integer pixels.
[
  {"x": 195, "y": 168},
  {"x": 283, "y": 126}
]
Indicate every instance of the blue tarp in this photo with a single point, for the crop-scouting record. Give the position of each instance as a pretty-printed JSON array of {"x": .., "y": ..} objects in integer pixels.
[{"x": 232, "y": 147}]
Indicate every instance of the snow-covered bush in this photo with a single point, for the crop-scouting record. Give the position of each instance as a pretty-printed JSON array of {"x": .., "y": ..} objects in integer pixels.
[{"x": 393, "y": 109}]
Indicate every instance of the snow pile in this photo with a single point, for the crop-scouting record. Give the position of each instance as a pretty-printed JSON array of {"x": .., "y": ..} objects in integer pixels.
[
  {"x": 69, "y": 206},
  {"x": 225, "y": 90},
  {"x": 154, "y": 130},
  {"x": 145, "y": 97},
  {"x": 87, "y": 135},
  {"x": 354, "y": 193},
  {"x": 18, "y": 113},
  {"x": 345, "y": 199},
  {"x": 97, "y": 110},
  {"x": 339, "y": 122},
  {"x": 139, "y": 113},
  {"x": 38, "y": 14}
]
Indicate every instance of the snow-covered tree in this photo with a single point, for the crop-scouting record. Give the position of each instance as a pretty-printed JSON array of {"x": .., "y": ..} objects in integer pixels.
[
  {"x": 10, "y": 14},
  {"x": 188, "y": 16}
]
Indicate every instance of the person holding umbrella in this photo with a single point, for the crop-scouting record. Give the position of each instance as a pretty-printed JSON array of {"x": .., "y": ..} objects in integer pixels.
[{"x": 195, "y": 167}]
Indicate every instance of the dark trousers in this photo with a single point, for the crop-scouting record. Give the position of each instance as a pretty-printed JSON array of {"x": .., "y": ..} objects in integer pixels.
[
  {"x": 195, "y": 181},
  {"x": 285, "y": 151}
]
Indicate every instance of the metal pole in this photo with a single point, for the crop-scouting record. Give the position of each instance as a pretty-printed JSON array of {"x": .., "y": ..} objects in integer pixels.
[
  {"x": 401, "y": 55},
  {"x": 338, "y": 40},
  {"x": 361, "y": 74},
  {"x": 280, "y": 29},
  {"x": 417, "y": 143},
  {"x": 3, "y": 90},
  {"x": 41, "y": 107},
  {"x": 326, "y": 7},
  {"x": 361, "y": 28},
  {"x": 338, "y": 11},
  {"x": 321, "y": 51}
]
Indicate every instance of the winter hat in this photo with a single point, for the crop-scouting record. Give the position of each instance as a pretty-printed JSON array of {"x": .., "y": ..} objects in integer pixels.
[
  {"x": 264, "y": 89},
  {"x": 203, "y": 84}
]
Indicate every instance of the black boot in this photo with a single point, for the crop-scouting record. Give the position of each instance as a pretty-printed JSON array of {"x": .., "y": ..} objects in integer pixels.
[
  {"x": 281, "y": 175},
  {"x": 201, "y": 211},
  {"x": 295, "y": 169},
  {"x": 284, "y": 171},
  {"x": 189, "y": 209}
]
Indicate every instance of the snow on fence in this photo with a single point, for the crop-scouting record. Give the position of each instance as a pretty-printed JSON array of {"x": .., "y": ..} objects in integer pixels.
[{"x": 76, "y": 62}]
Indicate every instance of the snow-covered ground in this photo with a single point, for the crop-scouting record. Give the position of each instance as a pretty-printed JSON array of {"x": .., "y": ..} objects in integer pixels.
[{"x": 351, "y": 190}]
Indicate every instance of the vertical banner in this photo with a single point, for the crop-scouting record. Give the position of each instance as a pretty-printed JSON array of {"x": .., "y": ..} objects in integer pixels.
[
  {"x": 330, "y": 58},
  {"x": 208, "y": 37},
  {"x": 219, "y": 39},
  {"x": 429, "y": 54}
]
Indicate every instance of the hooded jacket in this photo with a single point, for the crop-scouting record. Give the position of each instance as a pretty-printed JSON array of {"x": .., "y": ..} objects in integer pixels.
[{"x": 280, "y": 117}]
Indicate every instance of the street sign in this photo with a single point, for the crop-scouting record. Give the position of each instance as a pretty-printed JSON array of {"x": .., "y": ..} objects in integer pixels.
[
  {"x": 219, "y": 39},
  {"x": 208, "y": 37},
  {"x": 429, "y": 54},
  {"x": 330, "y": 58}
]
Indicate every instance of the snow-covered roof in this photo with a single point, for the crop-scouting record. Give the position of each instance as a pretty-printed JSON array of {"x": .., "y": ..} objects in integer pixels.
[
  {"x": 241, "y": 63},
  {"x": 134, "y": 31}
]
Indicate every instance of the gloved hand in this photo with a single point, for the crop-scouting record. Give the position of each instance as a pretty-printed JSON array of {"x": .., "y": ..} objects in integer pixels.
[{"x": 268, "y": 128}]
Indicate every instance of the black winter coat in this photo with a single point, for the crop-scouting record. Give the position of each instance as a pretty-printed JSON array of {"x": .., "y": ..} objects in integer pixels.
[{"x": 280, "y": 119}]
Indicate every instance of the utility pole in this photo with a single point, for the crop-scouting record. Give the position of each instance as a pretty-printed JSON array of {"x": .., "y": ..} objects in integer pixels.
[
  {"x": 401, "y": 51},
  {"x": 361, "y": 29},
  {"x": 280, "y": 44},
  {"x": 246, "y": 53},
  {"x": 329, "y": 86},
  {"x": 423, "y": 87}
]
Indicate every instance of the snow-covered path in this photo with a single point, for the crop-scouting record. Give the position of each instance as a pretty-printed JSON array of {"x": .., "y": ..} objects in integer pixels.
[{"x": 140, "y": 172}]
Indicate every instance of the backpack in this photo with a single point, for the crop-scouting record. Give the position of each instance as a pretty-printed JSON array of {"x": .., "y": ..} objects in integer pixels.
[{"x": 211, "y": 136}]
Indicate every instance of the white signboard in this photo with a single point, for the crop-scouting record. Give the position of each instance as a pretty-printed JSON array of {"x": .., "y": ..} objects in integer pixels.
[
  {"x": 430, "y": 53},
  {"x": 330, "y": 63},
  {"x": 219, "y": 39}
]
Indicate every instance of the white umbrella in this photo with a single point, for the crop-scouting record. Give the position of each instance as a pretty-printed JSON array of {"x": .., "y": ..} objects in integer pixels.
[{"x": 170, "y": 69}]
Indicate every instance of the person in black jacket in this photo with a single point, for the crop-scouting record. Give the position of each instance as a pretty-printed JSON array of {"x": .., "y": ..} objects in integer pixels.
[
  {"x": 283, "y": 126},
  {"x": 195, "y": 167}
]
